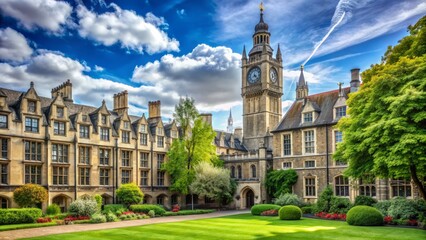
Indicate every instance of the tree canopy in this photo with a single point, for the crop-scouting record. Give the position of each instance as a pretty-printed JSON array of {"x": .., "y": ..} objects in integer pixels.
[
  {"x": 30, "y": 195},
  {"x": 385, "y": 132}
]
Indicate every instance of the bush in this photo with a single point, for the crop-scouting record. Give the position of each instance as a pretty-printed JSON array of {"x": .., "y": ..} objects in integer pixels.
[
  {"x": 145, "y": 208},
  {"x": 271, "y": 212},
  {"x": 53, "y": 209},
  {"x": 307, "y": 209},
  {"x": 111, "y": 217},
  {"x": 290, "y": 212},
  {"x": 324, "y": 200},
  {"x": 114, "y": 208},
  {"x": 364, "y": 216},
  {"x": 44, "y": 220},
  {"x": 279, "y": 182},
  {"x": 16, "y": 215},
  {"x": 98, "y": 199},
  {"x": 83, "y": 207},
  {"x": 151, "y": 213},
  {"x": 288, "y": 199},
  {"x": 129, "y": 193},
  {"x": 30, "y": 195},
  {"x": 383, "y": 207},
  {"x": 98, "y": 218},
  {"x": 189, "y": 212},
  {"x": 259, "y": 208},
  {"x": 365, "y": 201},
  {"x": 340, "y": 205},
  {"x": 401, "y": 208}
]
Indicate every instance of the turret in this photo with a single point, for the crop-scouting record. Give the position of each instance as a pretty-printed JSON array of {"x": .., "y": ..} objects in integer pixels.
[{"x": 302, "y": 89}]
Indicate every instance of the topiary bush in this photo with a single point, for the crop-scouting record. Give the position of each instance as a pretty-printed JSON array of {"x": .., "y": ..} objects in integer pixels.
[
  {"x": 145, "y": 208},
  {"x": 53, "y": 209},
  {"x": 324, "y": 201},
  {"x": 30, "y": 195},
  {"x": 129, "y": 193},
  {"x": 259, "y": 208},
  {"x": 365, "y": 201},
  {"x": 18, "y": 215},
  {"x": 83, "y": 207},
  {"x": 288, "y": 199},
  {"x": 364, "y": 216},
  {"x": 290, "y": 212},
  {"x": 340, "y": 205}
]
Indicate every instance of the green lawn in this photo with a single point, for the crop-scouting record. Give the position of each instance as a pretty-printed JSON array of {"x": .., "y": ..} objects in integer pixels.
[{"x": 245, "y": 226}]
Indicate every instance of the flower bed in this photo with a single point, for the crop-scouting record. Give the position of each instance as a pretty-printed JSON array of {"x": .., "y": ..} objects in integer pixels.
[
  {"x": 44, "y": 220},
  {"x": 331, "y": 216},
  {"x": 272, "y": 212},
  {"x": 75, "y": 218}
]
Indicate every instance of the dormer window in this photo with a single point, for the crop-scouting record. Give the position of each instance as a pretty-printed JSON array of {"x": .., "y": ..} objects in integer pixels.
[
  {"x": 104, "y": 119},
  {"x": 59, "y": 112},
  {"x": 340, "y": 112},
  {"x": 143, "y": 128},
  {"x": 3, "y": 121},
  {"x": 31, "y": 106},
  {"x": 84, "y": 118},
  {"x": 160, "y": 131},
  {"x": 174, "y": 134},
  {"x": 126, "y": 125},
  {"x": 307, "y": 117}
]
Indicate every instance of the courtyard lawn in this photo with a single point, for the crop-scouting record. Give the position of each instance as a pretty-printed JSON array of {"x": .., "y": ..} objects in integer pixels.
[{"x": 246, "y": 226}]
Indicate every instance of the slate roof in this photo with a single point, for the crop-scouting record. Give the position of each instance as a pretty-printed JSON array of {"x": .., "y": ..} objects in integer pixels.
[
  {"x": 238, "y": 145},
  {"x": 323, "y": 104}
]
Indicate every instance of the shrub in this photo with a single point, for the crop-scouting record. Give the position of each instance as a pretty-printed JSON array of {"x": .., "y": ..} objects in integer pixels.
[
  {"x": 44, "y": 220},
  {"x": 53, "y": 209},
  {"x": 151, "y": 213},
  {"x": 340, "y": 205},
  {"x": 111, "y": 217},
  {"x": 115, "y": 208},
  {"x": 365, "y": 201},
  {"x": 189, "y": 212},
  {"x": 98, "y": 199},
  {"x": 280, "y": 181},
  {"x": 129, "y": 193},
  {"x": 290, "y": 212},
  {"x": 401, "y": 208},
  {"x": 288, "y": 199},
  {"x": 307, "y": 209},
  {"x": 30, "y": 195},
  {"x": 364, "y": 216},
  {"x": 259, "y": 208},
  {"x": 98, "y": 218},
  {"x": 383, "y": 207},
  {"x": 16, "y": 215},
  {"x": 83, "y": 207},
  {"x": 145, "y": 208},
  {"x": 324, "y": 201}
]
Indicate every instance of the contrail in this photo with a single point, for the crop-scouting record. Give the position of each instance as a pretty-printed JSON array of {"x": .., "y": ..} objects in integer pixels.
[{"x": 325, "y": 38}]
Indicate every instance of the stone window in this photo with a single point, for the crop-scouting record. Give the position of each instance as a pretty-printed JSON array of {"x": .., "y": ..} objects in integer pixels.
[
  {"x": 32, "y": 106},
  {"x": 144, "y": 178},
  {"x": 84, "y": 131},
  {"x": 367, "y": 186},
  {"x": 340, "y": 112},
  {"x": 239, "y": 172},
  {"x": 401, "y": 188},
  {"x": 60, "y": 175},
  {"x": 125, "y": 176},
  {"x": 160, "y": 161},
  {"x": 59, "y": 128},
  {"x": 144, "y": 139},
  {"x": 144, "y": 159},
  {"x": 104, "y": 177},
  {"x": 341, "y": 186},
  {"x": 33, "y": 174},
  {"x": 174, "y": 134},
  {"x": 84, "y": 176},
  {"x": 84, "y": 118},
  {"x": 143, "y": 128},
  {"x": 287, "y": 165},
  {"x": 4, "y": 148},
  {"x": 160, "y": 178},
  {"x": 310, "y": 187},
  {"x": 3, "y": 121},
  {"x": 126, "y": 125},
  {"x": 104, "y": 119},
  {"x": 160, "y": 131},
  {"x": 31, "y": 124},
  {"x": 59, "y": 112},
  {"x": 126, "y": 158},
  {"x": 104, "y": 155},
  {"x": 59, "y": 153},
  {"x": 309, "y": 141},
  {"x": 84, "y": 155},
  {"x": 160, "y": 141},
  {"x": 232, "y": 172},
  {"x": 307, "y": 117},
  {"x": 160, "y": 200},
  {"x": 4, "y": 203},
  {"x": 104, "y": 134},
  {"x": 125, "y": 138},
  {"x": 3, "y": 173},
  {"x": 287, "y": 144},
  {"x": 253, "y": 171},
  {"x": 310, "y": 164}
]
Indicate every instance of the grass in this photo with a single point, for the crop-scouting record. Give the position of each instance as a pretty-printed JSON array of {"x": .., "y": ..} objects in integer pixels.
[
  {"x": 246, "y": 226},
  {"x": 26, "y": 225}
]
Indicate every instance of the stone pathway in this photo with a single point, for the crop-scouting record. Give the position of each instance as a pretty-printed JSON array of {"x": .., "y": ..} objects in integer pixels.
[{"x": 43, "y": 231}]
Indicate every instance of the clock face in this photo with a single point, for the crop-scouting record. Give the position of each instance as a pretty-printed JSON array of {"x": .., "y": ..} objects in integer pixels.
[
  {"x": 253, "y": 75},
  {"x": 273, "y": 75}
]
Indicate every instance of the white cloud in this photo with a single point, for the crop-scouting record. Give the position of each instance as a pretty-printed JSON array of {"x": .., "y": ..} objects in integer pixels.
[
  {"x": 196, "y": 74},
  {"x": 126, "y": 28},
  {"x": 99, "y": 68},
  {"x": 50, "y": 15},
  {"x": 181, "y": 12},
  {"x": 13, "y": 46}
]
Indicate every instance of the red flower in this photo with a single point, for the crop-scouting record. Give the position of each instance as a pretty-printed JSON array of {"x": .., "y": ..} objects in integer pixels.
[
  {"x": 388, "y": 219},
  {"x": 412, "y": 222}
]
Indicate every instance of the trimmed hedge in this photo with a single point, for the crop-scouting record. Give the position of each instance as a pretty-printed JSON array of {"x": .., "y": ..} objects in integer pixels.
[
  {"x": 290, "y": 212},
  {"x": 189, "y": 212},
  {"x": 19, "y": 215},
  {"x": 340, "y": 205},
  {"x": 114, "y": 208},
  {"x": 145, "y": 208},
  {"x": 364, "y": 216},
  {"x": 259, "y": 208},
  {"x": 364, "y": 201},
  {"x": 307, "y": 209}
]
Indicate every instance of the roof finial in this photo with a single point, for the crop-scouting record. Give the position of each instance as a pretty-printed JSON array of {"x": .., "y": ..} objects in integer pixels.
[
  {"x": 261, "y": 7},
  {"x": 340, "y": 89},
  {"x": 301, "y": 67},
  {"x": 31, "y": 84}
]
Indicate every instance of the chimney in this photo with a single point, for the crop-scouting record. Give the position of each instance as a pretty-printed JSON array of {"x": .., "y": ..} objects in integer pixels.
[
  {"x": 64, "y": 90},
  {"x": 121, "y": 102},
  {"x": 355, "y": 80},
  {"x": 238, "y": 133},
  {"x": 154, "y": 110},
  {"x": 207, "y": 118}
]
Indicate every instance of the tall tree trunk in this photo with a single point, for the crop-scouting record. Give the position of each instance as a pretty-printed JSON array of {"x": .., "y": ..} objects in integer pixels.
[{"x": 416, "y": 180}]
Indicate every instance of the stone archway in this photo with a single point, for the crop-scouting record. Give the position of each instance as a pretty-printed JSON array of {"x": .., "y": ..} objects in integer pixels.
[
  {"x": 62, "y": 201},
  {"x": 106, "y": 199},
  {"x": 247, "y": 198}
]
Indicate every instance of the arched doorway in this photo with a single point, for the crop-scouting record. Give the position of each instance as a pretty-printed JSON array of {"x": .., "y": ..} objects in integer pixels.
[
  {"x": 62, "y": 201},
  {"x": 249, "y": 198},
  {"x": 147, "y": 199},
  {"x": 106, "y": 199}
]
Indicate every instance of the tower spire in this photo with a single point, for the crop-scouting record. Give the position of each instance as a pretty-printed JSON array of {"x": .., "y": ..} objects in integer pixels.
[
  {"x": 279, "y": 56},
  {"x": 302, "y": 81},
  {"x": 230, "y": 127},
  {"x": 244, "y": 52},
  {"x": 302, "y": 89}
]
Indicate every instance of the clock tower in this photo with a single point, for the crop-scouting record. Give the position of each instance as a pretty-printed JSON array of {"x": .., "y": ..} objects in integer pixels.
[{"x": 262, "y": 88}]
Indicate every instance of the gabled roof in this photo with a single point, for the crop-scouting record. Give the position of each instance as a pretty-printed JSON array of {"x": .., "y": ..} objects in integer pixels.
[{"x": 228, "y": 138}]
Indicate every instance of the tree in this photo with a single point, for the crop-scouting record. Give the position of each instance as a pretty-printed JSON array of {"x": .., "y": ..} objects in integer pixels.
[
  {"x": 280, "y": 181},
  {"x": 129, "y": 194},
  {"x": 385, "y": 133},
  {"x": 185, "y": 115},
  {"x": 213, "y": 182},
  {"x": 30, "y": 195}
]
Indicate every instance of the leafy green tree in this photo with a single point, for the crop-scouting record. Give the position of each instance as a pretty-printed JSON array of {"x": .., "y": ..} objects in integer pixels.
[
  {"x": 385, "y": 133},
  {"x": 212, "y": 182},
  {"x": 280, "y": 181},
  {"x": 185, "y": 115},
  {"x": 129, "y": 193},
  {"x": 30, "y": 195}
]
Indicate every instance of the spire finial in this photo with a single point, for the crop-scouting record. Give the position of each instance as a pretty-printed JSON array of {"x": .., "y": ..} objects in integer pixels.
[
  {"x": 261, "y": 7},
  {"x": 31, "y": 84},
  {"x": 244, "y": 53},
  {"x": 301, "y": 67}
]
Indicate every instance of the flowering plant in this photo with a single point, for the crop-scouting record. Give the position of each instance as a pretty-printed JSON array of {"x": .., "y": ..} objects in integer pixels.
[
  {"x": 44, "y": 220},
  {"x": 272, "y": 212},
  {"x": 176, "y": 208}
]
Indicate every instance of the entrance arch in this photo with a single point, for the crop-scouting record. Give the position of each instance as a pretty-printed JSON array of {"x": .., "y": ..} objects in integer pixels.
[
  {"x": 247, "y": 198},
  {"x": 62, "y": 201}
]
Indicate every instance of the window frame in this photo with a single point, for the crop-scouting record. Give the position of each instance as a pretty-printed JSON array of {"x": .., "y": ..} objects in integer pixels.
[
  {"x": 285, "y": 163},
  {"x": 60, "y": 158},
  {"x": 341, "y": 186},
  {"x": 309, "y": 142},
  {"x": 59, "y": 128},
  {"x": 84, "y": 131},
  {"x": 84, "y": 176},
  {"x": 311, "y": 187},
  {"x": 104, "y": 134},
  {"x": 287, "y": 147},
  {"x": 4, "y": 121},
  {"x": 34, "y": 125},
  {"x": 62, "y": 173}
]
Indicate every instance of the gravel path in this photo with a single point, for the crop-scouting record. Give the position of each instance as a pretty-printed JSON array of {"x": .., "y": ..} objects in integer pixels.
[{"x": 43, "y": 231}]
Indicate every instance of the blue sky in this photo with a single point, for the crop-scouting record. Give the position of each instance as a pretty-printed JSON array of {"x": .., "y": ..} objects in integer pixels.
[{"x": 162, "y": 50}]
